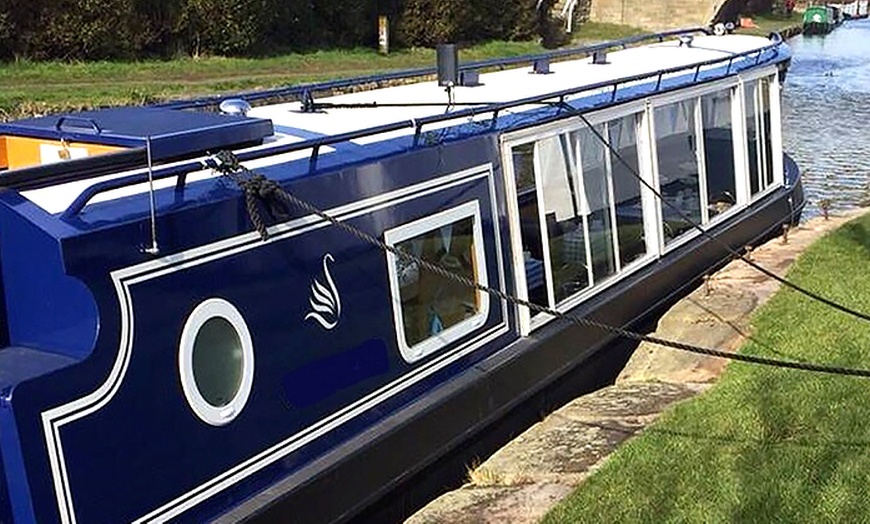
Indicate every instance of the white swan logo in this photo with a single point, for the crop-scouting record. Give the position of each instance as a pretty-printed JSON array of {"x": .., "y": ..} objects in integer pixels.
[{"x": 325, "y": 302}]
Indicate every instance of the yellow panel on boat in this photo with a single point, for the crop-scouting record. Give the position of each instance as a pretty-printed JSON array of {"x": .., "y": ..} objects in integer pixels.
[
  {"x": 4, "y": 163},
  {"x": 17, "y": 152}
]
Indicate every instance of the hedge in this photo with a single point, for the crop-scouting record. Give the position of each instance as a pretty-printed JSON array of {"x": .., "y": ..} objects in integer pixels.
[{"x": 130, "y": 29}]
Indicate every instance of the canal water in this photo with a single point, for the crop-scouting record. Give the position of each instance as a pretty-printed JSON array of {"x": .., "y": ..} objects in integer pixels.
[{"x": 826, "y": 115}]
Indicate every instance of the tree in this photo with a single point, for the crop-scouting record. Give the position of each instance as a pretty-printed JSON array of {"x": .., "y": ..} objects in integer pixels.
[
  {"x": 223, "y": 27},
  {"x": 81, "y": 29}
]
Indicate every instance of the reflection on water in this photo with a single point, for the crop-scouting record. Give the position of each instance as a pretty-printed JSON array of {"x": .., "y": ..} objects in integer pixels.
[{"x": 826, "y": 110}]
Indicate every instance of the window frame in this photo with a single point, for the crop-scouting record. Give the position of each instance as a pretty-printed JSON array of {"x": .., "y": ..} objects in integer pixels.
[
  {"x": 206, "y": 411},
  {"x": 775, "y": 92},
  {"x": 419, "y": 227},
  {"x": 648, "y": 167}
]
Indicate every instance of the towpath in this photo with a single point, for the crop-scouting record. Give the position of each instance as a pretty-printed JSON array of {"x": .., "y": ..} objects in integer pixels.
[{"x": 523, "y": 480}]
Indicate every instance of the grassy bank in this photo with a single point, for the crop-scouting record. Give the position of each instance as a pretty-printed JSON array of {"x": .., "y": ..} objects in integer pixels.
[
  {"x": 28, "y": 88},
  {"x": 38, "y": 87},
  {"x": 763, "y": 445},
  {"x": 767, "y": 24}
]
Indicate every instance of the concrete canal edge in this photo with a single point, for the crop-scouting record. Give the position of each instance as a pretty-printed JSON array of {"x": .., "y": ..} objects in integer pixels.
[{"x": 527, "y": 477}]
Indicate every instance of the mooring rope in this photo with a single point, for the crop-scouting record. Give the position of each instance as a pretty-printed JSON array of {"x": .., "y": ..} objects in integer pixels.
[
  {"x": 733, "y": 252},
  {"x": 257, "y": 187}
]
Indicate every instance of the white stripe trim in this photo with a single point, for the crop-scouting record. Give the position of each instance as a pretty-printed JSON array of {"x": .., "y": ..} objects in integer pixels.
[{"x": 54, "y": 418}]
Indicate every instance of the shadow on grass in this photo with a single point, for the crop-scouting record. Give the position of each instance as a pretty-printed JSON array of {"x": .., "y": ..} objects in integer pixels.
[
  {"x": 856, "y": 232},
  {"x": 728, "y": 439}
]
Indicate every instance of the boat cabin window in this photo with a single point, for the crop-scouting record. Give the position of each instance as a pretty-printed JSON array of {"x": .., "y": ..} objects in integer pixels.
[
  {"x": 433, "y": 310},
  {"x": 697, "y": 162},
  {"x": 719, "y": 151},
  {"x": 679, "y": 167},
  {"x": 530, "y": 222},
  {"x": 584, "y": 216},
  {"x": 624, "y": 170},
  {"x": 585, "y": 221},
  {"x": 758, "y": 134}
]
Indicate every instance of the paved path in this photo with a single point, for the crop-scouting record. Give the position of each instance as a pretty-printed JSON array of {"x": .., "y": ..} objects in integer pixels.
[{"x": 523, "y": 480}]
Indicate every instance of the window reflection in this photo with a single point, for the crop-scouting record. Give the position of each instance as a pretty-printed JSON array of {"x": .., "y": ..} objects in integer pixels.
[
  {"x": 719, "y": 152},
  {"x": 530, "y": 228},
  {"x": 431, "y": 302},
  {"x": 765, "y": 122},
  {"x": 593, "y": 159},
  {"x": 679, "y": 179},
  {"x": 749, "y": 92},
  {"x": 622, "y": 135},
  {"x": 566, "y": 223}
]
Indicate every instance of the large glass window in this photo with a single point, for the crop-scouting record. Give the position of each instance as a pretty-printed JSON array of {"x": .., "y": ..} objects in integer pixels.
[
  {"x": 679, "y": 177},
  {"x": 432, "y": 309},
  {"x": 585, "y": 221},
  {"x": 530, "y": 224},
  {"x": 749, "y": 93},
  {"x": 758, "y": 142},
  {"x": 566, "y": 223},
  {"x": 718, "y": 151},
  {"x": 766, "y": 127},
  {"x": 593, "y": 159},
  {"x": 622, "y": 134}
]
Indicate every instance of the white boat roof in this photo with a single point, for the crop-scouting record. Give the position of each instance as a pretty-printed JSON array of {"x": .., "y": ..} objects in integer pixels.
[
  {"x": 499, "y": 86},
  {"x": 294, "y": 125}
]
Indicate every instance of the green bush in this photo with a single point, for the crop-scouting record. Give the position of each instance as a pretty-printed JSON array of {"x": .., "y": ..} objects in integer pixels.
[
  {"x": 110, "y": 29},
  {"x": 82, "y": 29},
  {"x": 7, "y": 29},
  {"x": 222, "y": 27},
  {"x": 430, "y": 22}
]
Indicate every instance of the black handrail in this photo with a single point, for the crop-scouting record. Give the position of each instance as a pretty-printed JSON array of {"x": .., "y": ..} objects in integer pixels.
[
  {"x": 317, "y": 143},
  {"x": 303, "y": 90}
]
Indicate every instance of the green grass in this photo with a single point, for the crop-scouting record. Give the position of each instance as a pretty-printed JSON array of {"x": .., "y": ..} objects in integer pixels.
[
  {"x": 31, "y": 88},
  {"x": 38, "y": 87},
  {"x": 763, "y": 445},
  {"x": 599, "y": 32},
  {"x": 769, "y": 23}
]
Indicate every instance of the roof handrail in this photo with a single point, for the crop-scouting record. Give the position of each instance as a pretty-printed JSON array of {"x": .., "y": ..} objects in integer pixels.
[
  {"x": 296, "y": 92},
  {"x": 317, "y": 143}
]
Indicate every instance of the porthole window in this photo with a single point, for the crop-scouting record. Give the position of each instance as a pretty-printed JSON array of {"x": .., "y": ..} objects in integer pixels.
[{"x": 216, "y": 361}]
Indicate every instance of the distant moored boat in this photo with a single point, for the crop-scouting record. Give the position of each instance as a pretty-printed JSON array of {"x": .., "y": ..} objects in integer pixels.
[{"x": 818, "y": 20}]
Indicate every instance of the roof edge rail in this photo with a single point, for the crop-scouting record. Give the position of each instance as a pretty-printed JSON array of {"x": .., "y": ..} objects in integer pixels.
[{"x": 294, "y": 93}]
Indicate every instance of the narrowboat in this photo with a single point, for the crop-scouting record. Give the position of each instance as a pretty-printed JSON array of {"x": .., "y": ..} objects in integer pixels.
[
  {"x": 852, "y": 10},
  {"x": 818, "y": 20},
  {"x": 285, "y": 303}
]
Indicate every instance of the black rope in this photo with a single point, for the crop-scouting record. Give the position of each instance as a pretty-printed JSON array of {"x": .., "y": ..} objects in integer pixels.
[
  {"x": 259, "y": 186},
  {"x": 782, "y": 280}
]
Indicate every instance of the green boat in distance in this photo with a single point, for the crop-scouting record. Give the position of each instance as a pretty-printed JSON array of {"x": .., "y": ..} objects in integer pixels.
[{"x": 818, "y": 20}]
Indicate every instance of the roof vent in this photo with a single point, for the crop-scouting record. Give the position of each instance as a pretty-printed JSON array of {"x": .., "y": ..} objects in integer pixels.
[
  {"x": 235, "y": 106},
  {"x": 470, "y": 78},
  {"x": 541, "y": 66},
  {"x": 599, "y": 57},
  {"x": 686, "y": 40}
]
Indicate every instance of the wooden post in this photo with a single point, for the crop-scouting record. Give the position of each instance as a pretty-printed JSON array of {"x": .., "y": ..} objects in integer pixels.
[
  {"x": 383, "y": 35},
  {"x": 825, "y": 204}
]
